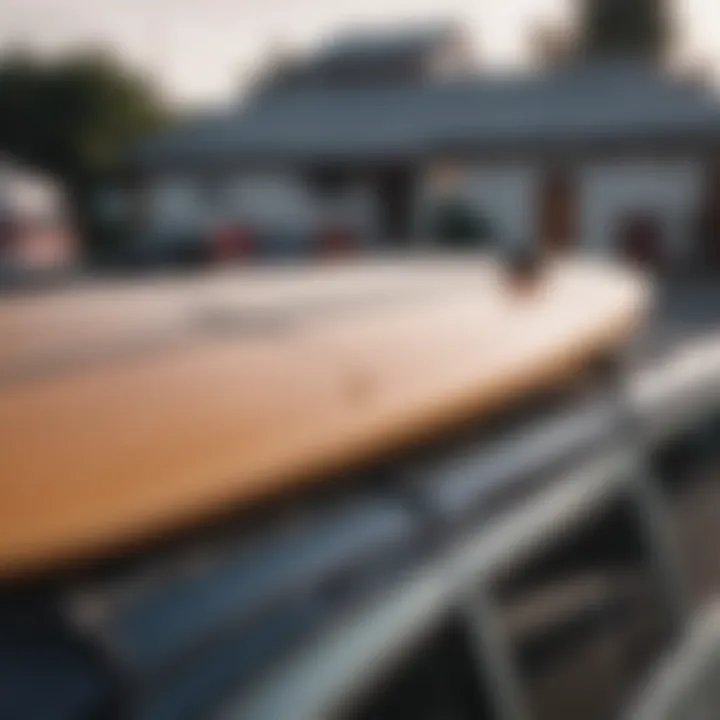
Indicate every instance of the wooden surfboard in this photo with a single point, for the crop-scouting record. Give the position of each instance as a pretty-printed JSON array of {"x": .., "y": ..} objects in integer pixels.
[{"x": 137, "y": 409}]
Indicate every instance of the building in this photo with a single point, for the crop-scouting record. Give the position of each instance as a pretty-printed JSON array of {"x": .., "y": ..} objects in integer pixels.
[{"x": 377, "y": 132}]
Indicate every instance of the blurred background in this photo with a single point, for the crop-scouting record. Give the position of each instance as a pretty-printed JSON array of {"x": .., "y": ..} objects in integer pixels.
[{"x": 147, "y": 135}]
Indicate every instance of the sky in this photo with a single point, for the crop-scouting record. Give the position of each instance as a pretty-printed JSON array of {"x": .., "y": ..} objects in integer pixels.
[{"x": 205, "y": 51}]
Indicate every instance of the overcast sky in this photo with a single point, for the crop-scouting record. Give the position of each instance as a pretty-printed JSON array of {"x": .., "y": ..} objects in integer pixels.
[{"x": 203, "y": 50}]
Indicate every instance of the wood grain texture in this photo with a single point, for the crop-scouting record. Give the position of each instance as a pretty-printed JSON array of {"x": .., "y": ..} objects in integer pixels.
[{"x": 130, "y": 411}]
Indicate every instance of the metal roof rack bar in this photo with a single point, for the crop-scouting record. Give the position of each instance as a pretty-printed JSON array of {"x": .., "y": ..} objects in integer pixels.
[{"x": 347, "y": 659}]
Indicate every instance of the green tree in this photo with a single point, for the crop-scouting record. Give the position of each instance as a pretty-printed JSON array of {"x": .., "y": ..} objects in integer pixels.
[
  {"x": 608, "y": 29},
  {"x": 625, "y": 28},
  {"x": 552, "y": 45},
  {"x": 75, "y": 117}
]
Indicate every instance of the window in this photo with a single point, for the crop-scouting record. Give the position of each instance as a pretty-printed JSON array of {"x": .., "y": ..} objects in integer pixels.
[
  {"x": 439, "y": 682},
  {"x": 586, "y": 620},
  {"x": 330, "y": 181}
]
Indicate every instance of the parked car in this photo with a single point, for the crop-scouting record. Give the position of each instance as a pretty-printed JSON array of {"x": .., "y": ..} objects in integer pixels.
[{"x": 369, "y": 491}]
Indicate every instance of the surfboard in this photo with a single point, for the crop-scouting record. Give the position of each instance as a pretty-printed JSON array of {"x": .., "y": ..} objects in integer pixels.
[{"x": 136, "y": 409}]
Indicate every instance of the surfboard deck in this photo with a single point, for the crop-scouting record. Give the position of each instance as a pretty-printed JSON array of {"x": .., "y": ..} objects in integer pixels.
[{"x": 140, "y": 409}]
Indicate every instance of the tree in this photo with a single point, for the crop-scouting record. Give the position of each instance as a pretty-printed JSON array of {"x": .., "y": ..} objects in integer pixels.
[
  {"x": 552, "y": 46},
  {"x": 607, "y": 29},
  {"x": 75, "y": 118},
  {"x": 625, "y": 27}
]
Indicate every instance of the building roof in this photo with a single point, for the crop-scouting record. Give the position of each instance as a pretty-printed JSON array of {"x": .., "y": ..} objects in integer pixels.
[
  {"x": 362, "y": 45},
  {"x": 579, "y": 104}
]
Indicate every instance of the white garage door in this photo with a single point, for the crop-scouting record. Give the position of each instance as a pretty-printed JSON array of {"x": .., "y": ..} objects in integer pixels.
[{"x": 670, "y": 191}]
